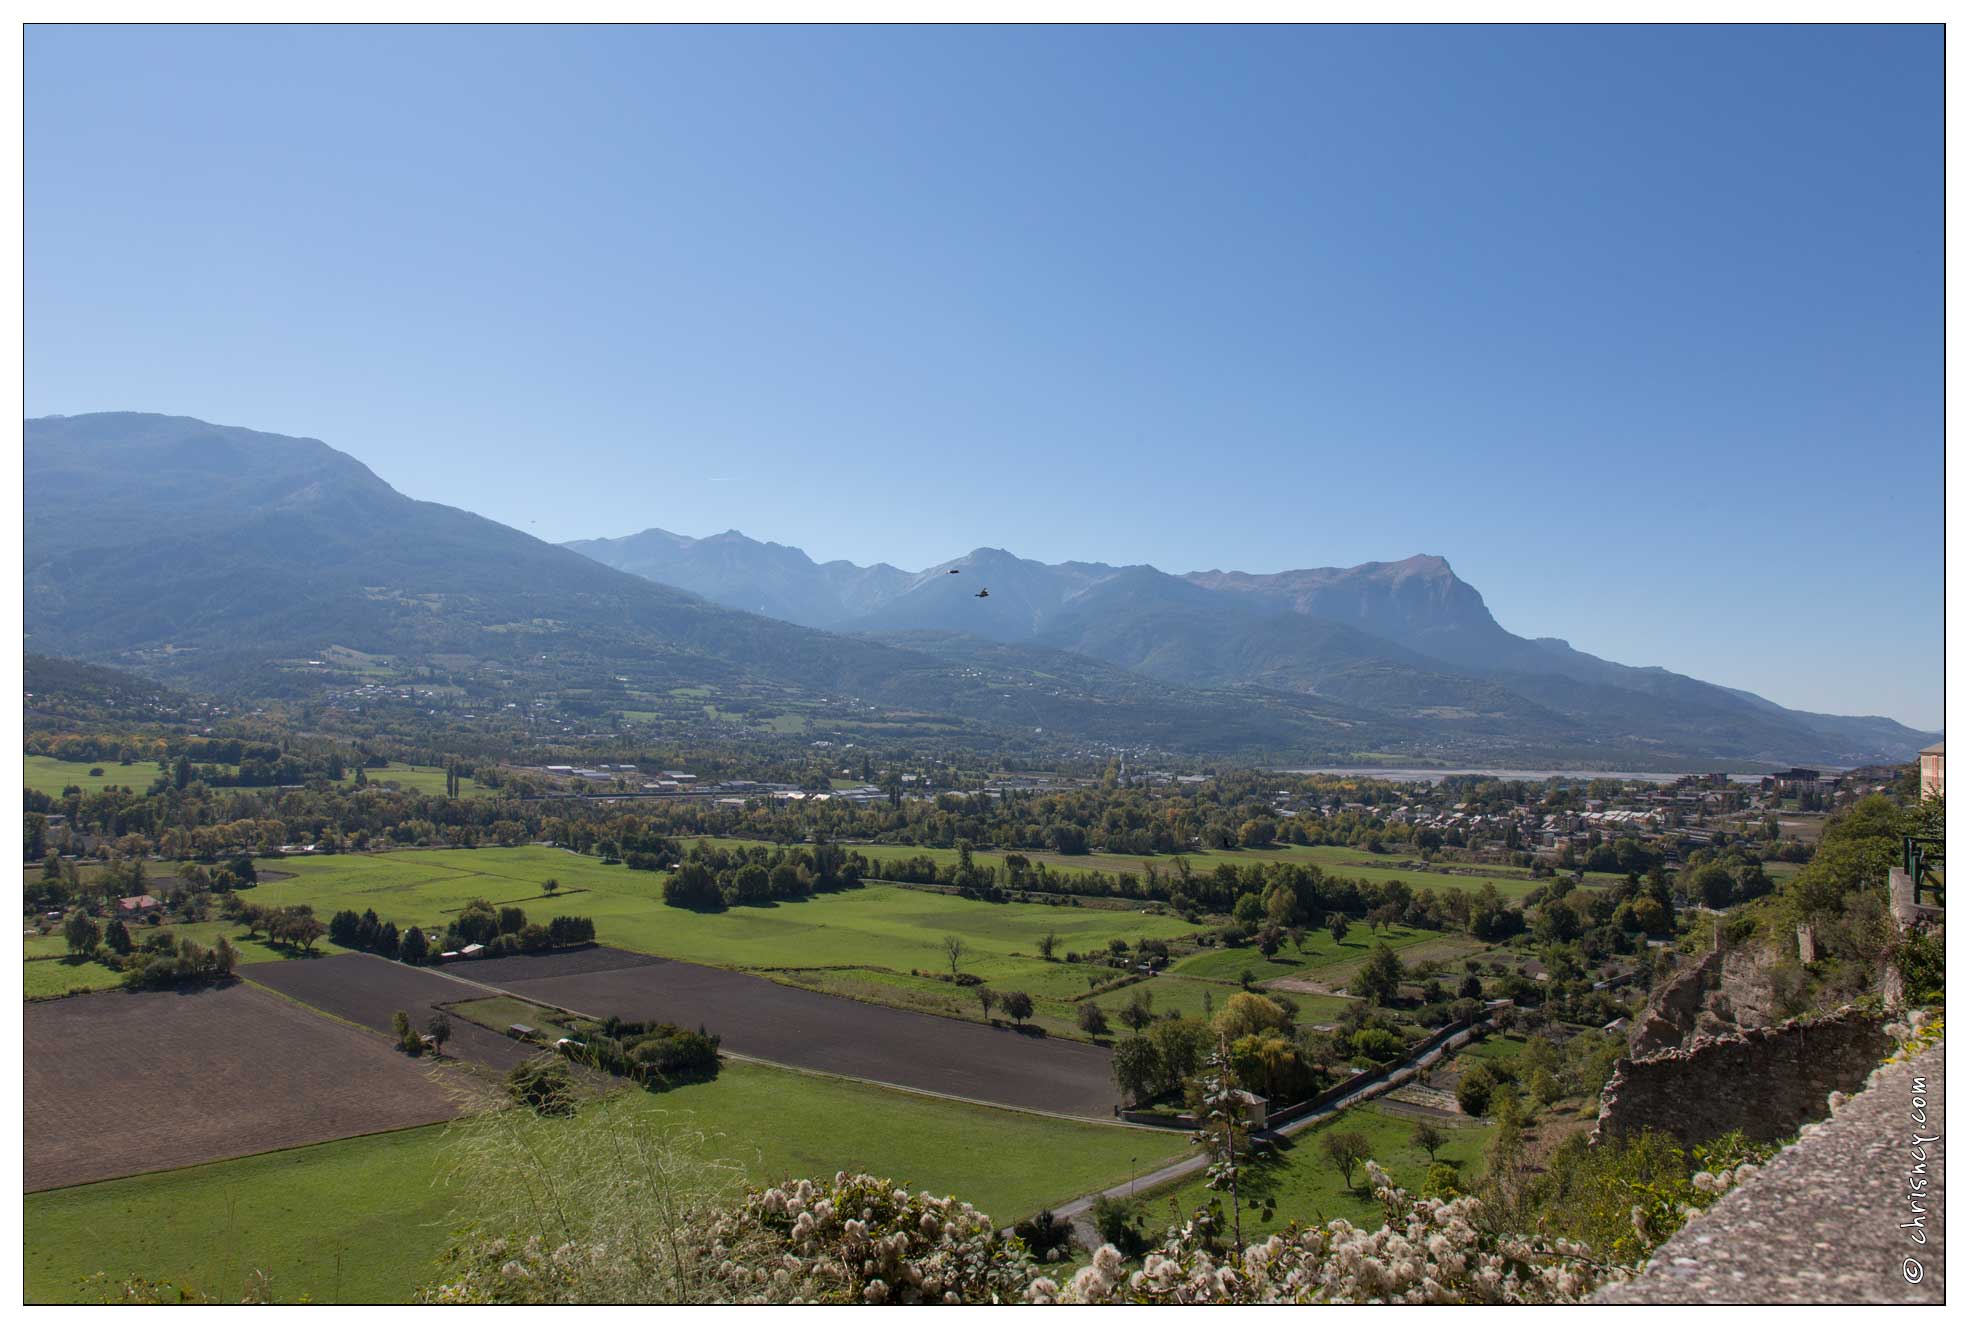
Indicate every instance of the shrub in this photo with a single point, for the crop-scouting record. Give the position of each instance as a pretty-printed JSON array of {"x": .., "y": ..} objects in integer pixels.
[
  {"x": 1047, "y": 1236},
  {"x": 413, "y": 948},
  {"x": 648, "y": 1053},
  {"x": 1377, "y": 1045},
  {"x": 543, "y": 1084},
  {"x": 1544, "y": 1086},
  {"x": 1118, "y": 1222},
  {"x": 1474, "y": 1090},
  {"x": 571, "y": 930},
  {"x": 1920, "y": 960},
  {"x": 191, "y": 963},
  {"x": 1250, "y": 1013},
  {"x": 676, "y": 1051}
]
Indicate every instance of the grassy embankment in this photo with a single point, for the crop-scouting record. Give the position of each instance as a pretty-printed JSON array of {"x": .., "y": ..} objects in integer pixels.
[{"x": 364, "y": 1219}]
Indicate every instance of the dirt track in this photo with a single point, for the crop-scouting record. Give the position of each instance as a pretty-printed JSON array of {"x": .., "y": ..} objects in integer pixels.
[{"x": 121, "y": 1082}]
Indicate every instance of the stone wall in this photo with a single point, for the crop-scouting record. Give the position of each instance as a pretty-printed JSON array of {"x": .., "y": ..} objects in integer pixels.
[{"x": 1766, "y": 1082}]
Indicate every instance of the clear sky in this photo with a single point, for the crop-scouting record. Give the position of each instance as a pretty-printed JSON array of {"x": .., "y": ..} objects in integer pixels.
[{"x": 1641, "y": 329}]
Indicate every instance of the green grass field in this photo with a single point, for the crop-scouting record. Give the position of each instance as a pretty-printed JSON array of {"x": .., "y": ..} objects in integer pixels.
[
  {"x": 882, "y": 926},
  {"x": 1323, "y": 957},
  {"x": 49, "y": 776},
  {"x": 364, "y": 1219},
  {"x": 420, "y": 779},
  {"x": 46, "y": 946},
  {"x": 500, "y": 1013},
  {"x": 1495, "y": 1047},
  {"x": 1304, "y": 1185},
  {"x": 59, "y": 978}
]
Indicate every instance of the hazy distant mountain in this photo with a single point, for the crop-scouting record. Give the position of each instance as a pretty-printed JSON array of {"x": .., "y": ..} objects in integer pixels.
[
  {"x": 1410, "y": 640},
  {"x": 216, "y": 553},
  {"x": 239, "y": 561},
  {"x": 255, "y": 565},
  {"x": 747, "y": 574}
]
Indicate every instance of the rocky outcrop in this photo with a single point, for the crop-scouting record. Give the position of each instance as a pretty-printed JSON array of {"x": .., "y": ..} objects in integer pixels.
[
  {"x": 1765, "y": 1082},
  {"x": 1729, "y": 990},
  {"x": 1673, "y": 1010}
]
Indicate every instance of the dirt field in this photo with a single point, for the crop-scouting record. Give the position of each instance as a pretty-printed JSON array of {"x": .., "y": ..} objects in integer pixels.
[
  {"x": 370, "y": 991},
  {"x": 799, "y": 1028},
  {"x": 506, "y": 970},
  {"x": 120, "y": 1082}
]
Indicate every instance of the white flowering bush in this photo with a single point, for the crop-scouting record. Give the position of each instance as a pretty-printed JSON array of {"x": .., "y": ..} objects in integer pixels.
[
  {"x": 859, "y": 1241},
  {"x": 606, "y": 1209},
  {"x": 864, "y": 1240},
  {"x": 1430, "y": 1251}
]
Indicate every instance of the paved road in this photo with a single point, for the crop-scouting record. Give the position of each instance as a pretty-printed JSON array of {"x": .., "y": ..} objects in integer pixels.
[{"x": 1820, "y": 1223}]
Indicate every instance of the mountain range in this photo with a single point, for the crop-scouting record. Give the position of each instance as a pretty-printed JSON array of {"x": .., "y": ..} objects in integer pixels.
[
  {"x": 255, "y": 564},
  {"x": 1408, "y": 639}
]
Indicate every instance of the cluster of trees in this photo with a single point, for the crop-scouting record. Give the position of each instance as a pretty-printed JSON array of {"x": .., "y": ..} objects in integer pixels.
[
  {"x": 292, "y": 925},
  {"x": 1018, "y": 1007},
  {"x": 201, "y": 821},
  {"x": 61, "y": 884},
  {"x": 158, "y": 960},
  {"x": 189, "y": 962},
  {"x": 504, "y": 930},
  {"x": 1719, "y": 881},
  {"x": 1546, "y": 1070},
  {"x": 651, "y": 1053},
  {"x": 435, "y": 1034},
  {"x": 1841, "y": 897},
  {"x": 1164, "y": 1058},
  {"x": 714, "y": 877},
  {"x": 365, "y": 932},
  {"x": 176, "y": 761}
]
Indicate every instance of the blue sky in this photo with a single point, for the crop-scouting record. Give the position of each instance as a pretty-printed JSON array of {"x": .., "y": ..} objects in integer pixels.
[{"x": 1641, "y": 328}]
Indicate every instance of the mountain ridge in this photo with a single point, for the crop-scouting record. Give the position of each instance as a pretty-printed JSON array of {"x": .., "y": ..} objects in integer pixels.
[
  {"x": 241, "y": 561},
  {"x": 1422, "y": 636}
]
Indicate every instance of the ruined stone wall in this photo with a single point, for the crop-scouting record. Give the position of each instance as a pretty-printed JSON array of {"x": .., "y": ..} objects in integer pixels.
[
  {"x": 1766, "y": 1082},
  {"x": 1672, "y": 1012},
  {"x": 1730, "y": 989}
]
